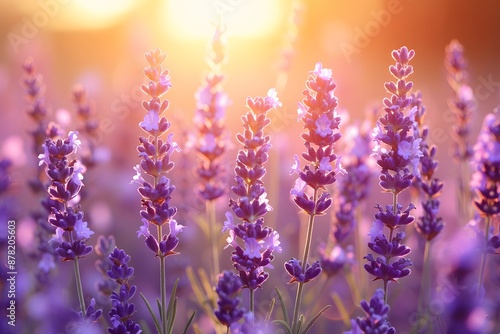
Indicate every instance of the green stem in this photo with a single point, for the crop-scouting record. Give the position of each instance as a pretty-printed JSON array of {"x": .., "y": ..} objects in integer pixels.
[
  {"x": 252, "y": 301},
  {"x": 483, "y": 257},
  {"x": 305, "y": 258},
  {"x": 163, "y": 288},
  {"x": 424, "y": 285},
  {"x": 210, "y": 216},
  {"x": 465, "y": 195},
  {"x": 394, "y": 211},
  {"x": 79, "y": 288}
]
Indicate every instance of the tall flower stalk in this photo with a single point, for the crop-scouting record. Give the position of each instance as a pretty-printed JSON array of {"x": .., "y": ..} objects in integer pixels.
[
  {"x": 71, "y": 232},
  {"x": 253, "y": 242},
  {"x": 122, "y": 309},
  {"x": 463, "y": 106},
  {"x": 429, "y": 225},
  {"x": 38, "y": 112},
  {"x": 375, "y": 321},
  {"x": 211, "y": 137},
  {"x": 155, "y": 153},
  {"x": 486, "y": 182},
  {"x": 317, "y": 111},
  {"x": 398, "y": 154}
]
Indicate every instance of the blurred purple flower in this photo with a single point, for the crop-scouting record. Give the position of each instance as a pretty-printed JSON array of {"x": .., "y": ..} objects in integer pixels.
[
  {"x": 228, "y": 288},
  {"x": 463, "y": 103},
  {"x": 333, "y": 260},
  {"x": 211, "y": 138}
]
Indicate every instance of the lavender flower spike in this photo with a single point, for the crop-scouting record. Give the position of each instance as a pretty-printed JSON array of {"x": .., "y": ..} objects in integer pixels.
[
  {"x": 228, "y": 287},
  {"x": 71, "y": 232},
  {"x": 122, "y": 309},
  {"x": 66, "y": 177},
  {"x": 155, "y": 154},
  {"x": 321, "y": 123},
  {"x": 155, "y": 151},
  {"x": 398, "y": 154},
  {"x": 257, "y": 243},
  {"x": 375, "y": 320},
  {"x": 486, "y": 182}
]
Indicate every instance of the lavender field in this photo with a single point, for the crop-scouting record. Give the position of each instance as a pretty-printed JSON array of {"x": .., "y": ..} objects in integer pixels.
[{"x": 229, "y": 166}]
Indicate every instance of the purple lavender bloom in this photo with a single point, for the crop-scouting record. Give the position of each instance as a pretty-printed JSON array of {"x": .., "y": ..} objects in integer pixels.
[
  {"x": 317, "y": 111},
  {"x": 90, "y": 125},
  {"x": 209, "y": 120},
  {"x": 4, "y": 175},
  {"x": 485, "y": 179},
  {"x": 375, "y": 320},
  {"x": 321, "y": 123},
  {"x": 389, "y": 249},
  {"x": 66, "y": 177},
  {"x": 120, "y": 271},
  {"x": 294, "y": 268},
  {"x": 228, "y": 287},
  {"x": 334, "y": 259},
  {"x": 429, "y": 225},
  {"x": 463, "y": 103},
  {"x": 249, "y": 325},
  {"x": 259, "y": 241},
  {"x": 37, "y": 111},
  {"x": 155, "y": 154},
  {"x": 398, "y": 153},
  {"x": 381, "y": 269},
  {"x": 85, "y": 323},
  {"x": 122, "y": 309},
  {"x": 103, "y": 248}
]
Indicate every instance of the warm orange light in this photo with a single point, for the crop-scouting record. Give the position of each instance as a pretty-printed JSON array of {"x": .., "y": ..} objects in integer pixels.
[
  {"x": 90, "y": 14},
  {"x": 194, "y": 18}
]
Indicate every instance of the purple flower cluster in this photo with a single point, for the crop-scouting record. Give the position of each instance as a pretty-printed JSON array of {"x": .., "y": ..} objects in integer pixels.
[
  {"x": 85, "y": 323},
  {"x": 155, "y": 154},
  {"x": 429, "y": 225},
  {"x": 463, "y": 103},
  {"x": 398, "y": 154},
  {"x": 259, "y": 241},
  {"x": 104, "y": 247},
  {"x": 71, "y": 232},
  {"x": 375, "y": 320},
  {"x": 90, "y": 125},
  {"x": 352, "y": 189},
  {"x": 209, "y": 121},
  {"x": 300, "y": 274},
  {"x": 228, "y": 288},
  {"x": 37, "y": 110},
  {"x": 354, "y": 186},
  {"x": 5, "y": 179},
  {"x": 486, "y": 178},
  {"x": 317, "y": 111},
  {"x": 122, "y": 309}
]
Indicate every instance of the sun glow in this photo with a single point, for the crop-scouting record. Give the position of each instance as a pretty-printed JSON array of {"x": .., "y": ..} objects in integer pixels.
[
  {"x": 194, "y": 18},
  {"x": 91, "y": 14}
]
